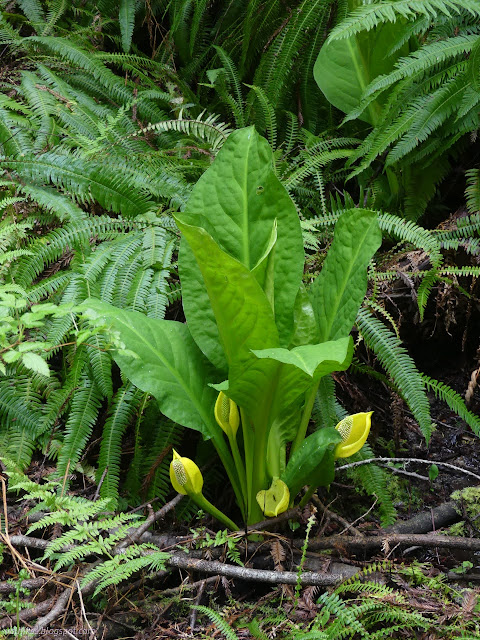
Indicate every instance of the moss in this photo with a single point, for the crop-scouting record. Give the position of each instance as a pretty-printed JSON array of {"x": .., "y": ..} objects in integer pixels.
[
  {"x": 469, "y": 501},
  {"x": 457, "y": 529}
]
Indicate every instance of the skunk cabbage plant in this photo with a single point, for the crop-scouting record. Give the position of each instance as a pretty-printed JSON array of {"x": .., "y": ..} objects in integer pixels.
[{"x": 245, "y": 367}]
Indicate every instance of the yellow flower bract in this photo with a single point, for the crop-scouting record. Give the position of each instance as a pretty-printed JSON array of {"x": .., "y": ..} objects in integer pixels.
[
  {"x": 185, "y": 476},
  {"x": 354, "y": 430},
  {"x": 275, "y": 500},
  {"x": 226, "y": 414}
]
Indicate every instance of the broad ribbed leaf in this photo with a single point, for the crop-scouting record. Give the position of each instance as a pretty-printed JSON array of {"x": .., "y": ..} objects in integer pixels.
[
  {"x": 340, "y": 287},
  {"x": 267, "y": 385},
  {"x": 316, "y": 360},
  {"x": 169, "y": 365},
  {"x": 302, "y": 468},
  {"x": 241, "y": 309},
  {"x": 237, "y": 201},
  {"x": 344, "y": 68}
]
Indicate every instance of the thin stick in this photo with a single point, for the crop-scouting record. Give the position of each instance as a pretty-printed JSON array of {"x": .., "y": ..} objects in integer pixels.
[
  {"x": 352, "y": 465},
  {"x": 360, "y": 517},
  {"x": 65, "y": 478},
  {"x": 267, "y": 524},
  {"x": 334, "y": 516},
  {"x": 82, "y": 607},
  {"x": 402, "y": 472},
  {"x": 153, "y": 517},
  {"x": 97, "y": 492},
  {"x": 6, "y": 536},
  {"x": 198, "y": 600},
  {"x": 188, "y": 586}
]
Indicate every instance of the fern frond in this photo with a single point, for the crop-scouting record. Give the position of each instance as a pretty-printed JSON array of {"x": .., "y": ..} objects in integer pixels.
[
  {"x": 430, "y": 55},
  {"x": 324, "y": 411},
  {"x": 454, "y": 401},
  {"x": 472, "y": 191},
  {"x": 19, "y": 403},
  {"x": 121, "y": 567},
  {"x": 269, "y": 117},
  {"x": 234, "y": 81},
  {"x": 209, "y": 130},
  {"x": 221, "y": 624},
  {"x": 400, "y": 367},
  {"x": 367, "y": 17},
  {"x": 81, "y": 58},
  {"x": 124, "y": 406},
  {"x": 101, "y": 364},
  {"x": 19, "y": 443},
  {"x": 430, "y": 115},
  {"x": 425, "y": 289},
  {"x": 277, "y": 65},
  {"x": 83, "y": 414},
  {"x": 86, "y": 180}
]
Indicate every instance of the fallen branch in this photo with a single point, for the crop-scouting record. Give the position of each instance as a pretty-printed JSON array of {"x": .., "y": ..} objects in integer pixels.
[
  {"x": 411, "y": 539},
  {"x": 33, "y": 583},
  {"x": 183, "y": 561},
  {"x": 431, "y": 520},
  {"x": 55, "y": 612}
]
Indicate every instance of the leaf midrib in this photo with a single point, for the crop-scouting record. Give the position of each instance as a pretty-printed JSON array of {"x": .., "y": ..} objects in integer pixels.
[
  {"x": 333, "y": 313},
  {"x": 172, "y": 371}
]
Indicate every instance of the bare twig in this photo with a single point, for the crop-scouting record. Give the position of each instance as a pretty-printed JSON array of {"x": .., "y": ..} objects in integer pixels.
[
  {"x": 360, "y": 517},
  {"x": 153, "y": 517},
  {"x": 6, "y": 536},
  {"x": 335, "y": 516},
  {"x": 97, "y": 492},
  {"x": 188, "y": 586},
  {"x": 352, "y": 465},
  {"x": 198, "y": 600},
  {"x": 84, "y": 613},
  {"x": 271, "y": 522},
  {"x": 402, "y": 472}
]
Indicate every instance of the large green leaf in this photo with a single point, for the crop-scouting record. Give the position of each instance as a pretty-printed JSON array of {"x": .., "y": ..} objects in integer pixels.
[
  {"x": 304, "y": 465},
  {"x": 268, "y": 385},
  {"x": 340, "y": 287},
  {"x": 305, "y": 328},
  {"x": 237, "y": 201},
  {"x": 315, "y": 360},
  {"x": 169, "y": 365},
  {"x": 344, "y": 68},
  {"x": 241, "y": 309}
]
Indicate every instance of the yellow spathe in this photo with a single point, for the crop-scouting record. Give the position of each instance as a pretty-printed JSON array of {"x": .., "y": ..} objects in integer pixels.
[
  {"x": 226, "y": 414},
  {"x": 185, "y": 476},
  {"x": 354, "y": 430},
  {"x": 275, "y": 500}
]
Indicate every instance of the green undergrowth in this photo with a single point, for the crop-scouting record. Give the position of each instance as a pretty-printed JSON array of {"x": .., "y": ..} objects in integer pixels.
[{"x": 383, "y": 601}]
